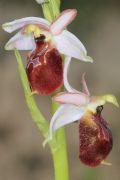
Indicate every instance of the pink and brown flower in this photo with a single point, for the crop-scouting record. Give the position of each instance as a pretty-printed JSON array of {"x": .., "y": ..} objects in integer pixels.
[
  {"x": 47, "y": 42},
  {"x": 95, "y": 135}
]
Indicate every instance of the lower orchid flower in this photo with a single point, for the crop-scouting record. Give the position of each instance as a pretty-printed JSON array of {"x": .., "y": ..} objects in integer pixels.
[
  {"x": 95, "y": 135},
  {"x": 48, "y": 41}
]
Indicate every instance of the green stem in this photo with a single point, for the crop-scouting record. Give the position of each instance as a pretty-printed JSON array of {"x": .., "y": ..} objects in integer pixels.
[
  {"x": 55, "y": 5},
  {"x": 47, "y": 11},
  {"x": 51, "y": 9},
  {"x": 60, "y": 157},
  {"x": 58, "y": 3}
]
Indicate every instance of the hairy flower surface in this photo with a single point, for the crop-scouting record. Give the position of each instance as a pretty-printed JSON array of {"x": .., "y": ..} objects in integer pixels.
[
  {"x": 95, "y": 138},
  {"x": 95, "y": 135},
  {"x": 47, "y": 42}
]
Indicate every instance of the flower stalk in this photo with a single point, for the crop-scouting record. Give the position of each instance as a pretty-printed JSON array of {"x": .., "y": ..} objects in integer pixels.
[
  {"x": 51, "y": 9},
  {"x": 47, "y": 11},
  {"x": 59, "y": 156}
]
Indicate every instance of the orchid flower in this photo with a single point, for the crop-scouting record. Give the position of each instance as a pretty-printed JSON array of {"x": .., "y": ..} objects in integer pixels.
[
  {"x": 95, "y": 135},
  {"x": 47, "y": 41}
]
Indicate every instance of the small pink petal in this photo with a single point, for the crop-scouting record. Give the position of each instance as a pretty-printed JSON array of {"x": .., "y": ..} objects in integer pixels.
[
  {"x": 20, "y": 23},
  {"x": 78, "y": 99},
  {"x": 84, "y": 86},
  {"x": 61, "y": 22}
]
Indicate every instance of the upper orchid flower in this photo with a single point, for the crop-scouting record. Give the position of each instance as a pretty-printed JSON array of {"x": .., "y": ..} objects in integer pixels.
[
  {"x": 95, "y": 135},
  {"x": 47, "y": 42}
]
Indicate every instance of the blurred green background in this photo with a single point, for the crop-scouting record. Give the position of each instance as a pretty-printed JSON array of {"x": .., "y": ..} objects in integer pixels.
[{"x": 22, "y": 156}]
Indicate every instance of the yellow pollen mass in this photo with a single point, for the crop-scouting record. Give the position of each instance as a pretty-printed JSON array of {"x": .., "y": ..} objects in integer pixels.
[
  {"x": 34, "y": 29},
  {"x": 88, "y": 118}
]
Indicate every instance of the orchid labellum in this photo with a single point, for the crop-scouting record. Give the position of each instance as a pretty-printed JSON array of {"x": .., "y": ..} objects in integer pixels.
[
  {"x": 47, "y": 42},
  {"x": 95, "y": 135}
]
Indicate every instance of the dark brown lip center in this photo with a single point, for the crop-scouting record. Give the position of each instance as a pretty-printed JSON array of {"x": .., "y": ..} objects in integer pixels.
[
  {"x": 40, "y": 38},
  {"x": 99, "y": 109}
]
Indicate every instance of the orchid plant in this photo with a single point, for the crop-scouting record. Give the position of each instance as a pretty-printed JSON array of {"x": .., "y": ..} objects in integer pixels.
[{"x": 51, "y": 48}]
